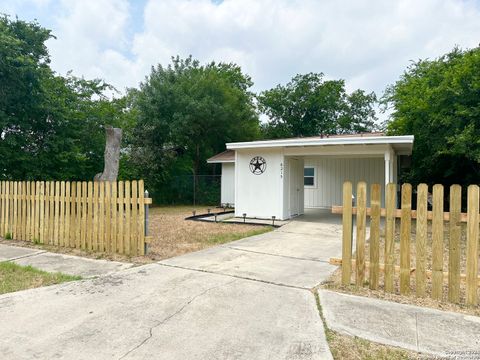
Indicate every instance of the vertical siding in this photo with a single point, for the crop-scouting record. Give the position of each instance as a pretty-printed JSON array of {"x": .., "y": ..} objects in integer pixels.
[
  {"x": 333, "y": 171},
  {"x": 228, "y": 183}
]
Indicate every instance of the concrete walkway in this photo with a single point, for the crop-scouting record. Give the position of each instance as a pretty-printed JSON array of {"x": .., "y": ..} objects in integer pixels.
[
  {"x": 249, "y": 299},
  {"x": 429, "y": 331},
  {"x": 54, "y": 262},
  {"x": 294, "y": 255}
]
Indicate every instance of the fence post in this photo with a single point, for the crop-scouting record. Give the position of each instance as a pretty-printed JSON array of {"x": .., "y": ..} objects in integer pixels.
[{"x": 146, "y": 222}]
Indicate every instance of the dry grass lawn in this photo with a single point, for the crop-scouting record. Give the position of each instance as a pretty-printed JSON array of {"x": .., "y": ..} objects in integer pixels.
[
  {"x": 173, "y": 235},
  {"x": 334, "y": 283},
  {"x": 354, "y": 348}
]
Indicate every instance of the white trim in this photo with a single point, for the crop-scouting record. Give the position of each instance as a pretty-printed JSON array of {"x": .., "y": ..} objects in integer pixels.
[
  {"x": 405, "y": 139},
  {"x": 220, "y": 161},
  {"x": 315, "y": 185}
]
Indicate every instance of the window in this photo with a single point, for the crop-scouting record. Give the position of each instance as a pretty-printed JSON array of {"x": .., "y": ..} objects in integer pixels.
[{"x": 309, "y": 176}]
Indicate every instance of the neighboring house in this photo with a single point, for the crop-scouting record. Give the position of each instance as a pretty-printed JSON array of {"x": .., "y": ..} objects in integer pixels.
[{"x": 282, "y": 177}]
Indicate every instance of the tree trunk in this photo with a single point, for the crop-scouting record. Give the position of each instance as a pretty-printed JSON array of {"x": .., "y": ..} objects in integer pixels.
[{"x": 112, "y": 155}]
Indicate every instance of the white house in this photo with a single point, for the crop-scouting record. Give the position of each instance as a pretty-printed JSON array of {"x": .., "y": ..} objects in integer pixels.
[{"x": 282, "y": 177}]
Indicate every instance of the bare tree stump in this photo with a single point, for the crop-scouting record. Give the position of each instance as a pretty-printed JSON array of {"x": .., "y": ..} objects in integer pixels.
[{"x": 112, "y": 155}]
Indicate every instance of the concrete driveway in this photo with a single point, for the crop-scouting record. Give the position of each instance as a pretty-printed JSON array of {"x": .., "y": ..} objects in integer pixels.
[{"x": 248, "y": 299}]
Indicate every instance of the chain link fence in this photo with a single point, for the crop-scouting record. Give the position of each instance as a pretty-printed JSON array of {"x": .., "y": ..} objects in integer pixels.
[{"x": 192, "y": 190}]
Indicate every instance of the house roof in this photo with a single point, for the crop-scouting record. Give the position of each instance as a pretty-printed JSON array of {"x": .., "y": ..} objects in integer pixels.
[
  {"x": 227, "y": 156},
  {"x": 404, "y": 142}
]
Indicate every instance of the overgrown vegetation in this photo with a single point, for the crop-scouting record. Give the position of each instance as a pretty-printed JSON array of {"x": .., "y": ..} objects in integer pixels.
[
  {"x": 439, "y": 102},
  {"x": 14, "y": 277}
]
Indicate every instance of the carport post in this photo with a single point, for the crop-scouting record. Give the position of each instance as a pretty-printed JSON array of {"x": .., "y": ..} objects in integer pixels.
[{"x": 146, "y": 223}]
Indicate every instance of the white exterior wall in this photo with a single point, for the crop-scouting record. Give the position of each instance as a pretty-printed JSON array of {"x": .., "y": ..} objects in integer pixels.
[
  {"x": 331, "y": 172},
  {"x": 228, "y": 184},
  {"x": 261, "y": 195}
]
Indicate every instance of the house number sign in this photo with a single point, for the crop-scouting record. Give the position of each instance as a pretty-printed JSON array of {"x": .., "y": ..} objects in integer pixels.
[{"x": 258, "y": 165}]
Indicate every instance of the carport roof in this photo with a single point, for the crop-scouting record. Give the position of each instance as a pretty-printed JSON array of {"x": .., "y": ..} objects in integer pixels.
[{"x": 403, "y": 143}]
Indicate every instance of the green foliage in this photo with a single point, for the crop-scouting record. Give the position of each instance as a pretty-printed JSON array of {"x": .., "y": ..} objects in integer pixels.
[
  {"x": 186, "y": 112},
  {"x": 51, "y": 127},
  {"x": 8, "y": 236},
  {"x": 438, "y": 101},
  {"x": 15, "y": 277},
  {"x": 309, "y": 105}
]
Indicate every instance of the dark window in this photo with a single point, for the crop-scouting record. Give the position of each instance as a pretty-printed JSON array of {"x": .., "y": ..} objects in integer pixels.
[{"x": 309, "y": 176}]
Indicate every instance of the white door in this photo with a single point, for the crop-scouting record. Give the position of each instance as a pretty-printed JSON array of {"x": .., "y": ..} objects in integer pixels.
[{"x": 294, "y": 188}]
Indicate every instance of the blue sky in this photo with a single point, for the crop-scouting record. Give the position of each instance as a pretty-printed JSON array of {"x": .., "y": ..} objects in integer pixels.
[{"x": 367, "y": 43}]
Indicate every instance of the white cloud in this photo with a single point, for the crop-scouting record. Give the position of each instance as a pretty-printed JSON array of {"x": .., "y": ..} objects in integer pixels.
[{"x": 368, "y": 43}]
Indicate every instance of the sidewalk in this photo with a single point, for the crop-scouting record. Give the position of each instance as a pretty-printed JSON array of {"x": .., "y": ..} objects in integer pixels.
[
  {"x": 53, "y": 262},
  {"x": 425, "y": 330}
]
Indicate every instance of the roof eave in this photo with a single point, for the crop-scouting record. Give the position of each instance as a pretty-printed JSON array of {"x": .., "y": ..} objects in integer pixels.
[
  {"x": 404, "y": 139},
  {"x": 220, "y": 161}
]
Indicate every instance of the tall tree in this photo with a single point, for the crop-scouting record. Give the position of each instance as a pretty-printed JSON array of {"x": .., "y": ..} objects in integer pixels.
[
  {"x": 438, "y": 101},
  {"x": 51, "y": 127},
  {"x": 309, "y": 105},
  {"x": 186, "y": 113}
]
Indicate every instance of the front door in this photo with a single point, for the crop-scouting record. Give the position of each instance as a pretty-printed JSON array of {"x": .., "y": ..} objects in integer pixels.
[{"x": 294, "y": 188}]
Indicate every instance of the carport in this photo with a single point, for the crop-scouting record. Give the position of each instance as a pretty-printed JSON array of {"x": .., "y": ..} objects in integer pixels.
[{"x": 280, "y": 178}]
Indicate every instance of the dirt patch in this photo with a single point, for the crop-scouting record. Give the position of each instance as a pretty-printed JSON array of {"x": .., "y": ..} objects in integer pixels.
[
  {"x": 173, "y": 235},
  {"x": 334, "y": 282}
]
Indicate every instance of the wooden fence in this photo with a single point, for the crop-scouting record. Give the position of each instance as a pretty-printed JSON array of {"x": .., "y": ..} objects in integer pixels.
[
  {"x": 432, "y": 276},
  {"x": 98, "y": 216}
]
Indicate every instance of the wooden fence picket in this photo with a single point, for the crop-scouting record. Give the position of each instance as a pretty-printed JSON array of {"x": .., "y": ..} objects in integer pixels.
[
  {"x": 128, "y": 205},
  {"x": 472, "y": 245},
  {"x": 108, "y": 217},
  {"x": 83, "y": 215},
  {"x": 405, "y": 231},
  {"x": 133, "y": 219},
  {"x": 101, "y": 216},
  {"x": 437, "y": 243},
  {"x": 421, "y": 240},
  {"x": 51, "y": 225},
  {"x": 113, "y": 222},
  {"x": 390, "y": 236},
  {"x": 375, "y": 195},
  {"x": 361, "y": 232},
  {"x": 120, "y": 216},
  {"x": 89, "y": 216},
  {"x": 347, "y": 233},
  {"x": 454, "y": 247},
  {"x": 15, "y": 210},
  {"x": 2, "y": 207},
  {"x": 141, "y": 218},
  {"x": 40, "y": 207}
]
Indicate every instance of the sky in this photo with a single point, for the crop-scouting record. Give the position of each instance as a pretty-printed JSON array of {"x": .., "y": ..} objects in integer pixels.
[{"x": 367, "y": 43}]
